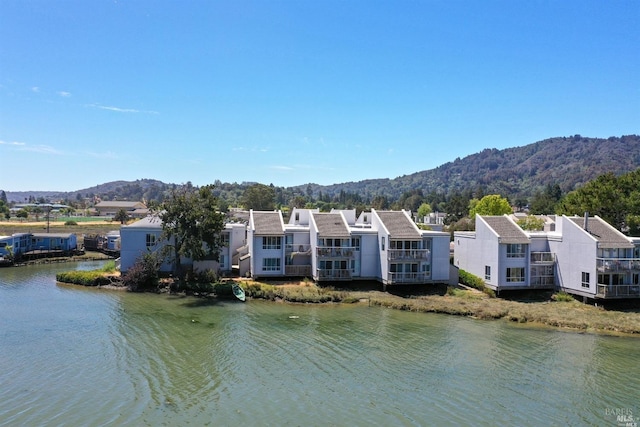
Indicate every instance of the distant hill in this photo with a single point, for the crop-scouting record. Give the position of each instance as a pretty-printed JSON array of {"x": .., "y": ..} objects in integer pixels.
[{"x": 513, "y": 172}]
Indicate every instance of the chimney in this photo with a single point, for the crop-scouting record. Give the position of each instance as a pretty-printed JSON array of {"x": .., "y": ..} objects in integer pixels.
[{"x": 586, "y": 221}]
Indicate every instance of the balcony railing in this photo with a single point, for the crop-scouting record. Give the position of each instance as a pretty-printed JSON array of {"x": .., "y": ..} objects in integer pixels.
[
  {"x": 618, "y": 291},
  {"x": 606, "y": 265},
  {"x": 301, "y": 249},
  {"x": 542, "y": 281},
  {"x": 335, "y": 252},
  {"x": 408, "y": 254},
  {"x": 408, "y": 277},
  {"x": 297, "y": 270},
  {"x": 543, "y": 257},
  {"x": 339, "y": 274}
]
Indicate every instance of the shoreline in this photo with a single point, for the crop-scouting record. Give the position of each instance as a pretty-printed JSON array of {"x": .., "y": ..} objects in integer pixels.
[{"x": 570, "y": 315}]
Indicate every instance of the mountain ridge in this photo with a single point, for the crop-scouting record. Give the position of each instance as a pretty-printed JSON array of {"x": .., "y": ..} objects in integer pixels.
[{"x": 513, "y": 172}]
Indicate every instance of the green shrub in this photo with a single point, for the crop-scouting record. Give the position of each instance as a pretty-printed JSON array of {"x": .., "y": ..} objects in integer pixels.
[
  {"x": 85, "y": 278},
  {"x": 562, "y": 297},
  {"x": 476, "y": 282},
  {"x": 143, "y": 275},
  {"x": 70, "y": 222},
  {"x": 108, "y": 267}
]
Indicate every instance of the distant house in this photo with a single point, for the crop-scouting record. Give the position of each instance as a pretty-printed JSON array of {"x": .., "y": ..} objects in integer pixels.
[
  {"x": 583, "y": 256},
  {"x": 111, "y": 208},
  {"x": 31, "y": 244}
]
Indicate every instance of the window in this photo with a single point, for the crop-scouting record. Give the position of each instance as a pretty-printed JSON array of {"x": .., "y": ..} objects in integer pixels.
[
  {"x": 271, "y": 264},
  {"x": 426, "y": 268},
  {"x": 585, "y": 279},
  {"x": 225, "y": 239},
  {"x": 515, "y": 274},
  {"x": 515, "y": 250},
  {"x": 272, "y": 242},
  {"x": 487, "y": 272},
  {"x": 297, "y": 216},
  {"x": 382, "y": 246},
  {"x": 151, "y": 240},
  {"x": 355, "y": 243}
]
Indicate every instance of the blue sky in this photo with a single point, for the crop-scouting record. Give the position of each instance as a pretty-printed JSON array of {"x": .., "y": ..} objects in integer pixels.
[{"x": 290, "y": 92}]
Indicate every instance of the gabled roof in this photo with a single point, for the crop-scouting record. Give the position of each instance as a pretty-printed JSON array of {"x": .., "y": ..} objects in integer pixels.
[
  {"x": 120, "y": 204},
  {"x": 331, "y": 225},
  {"x": 507, "y": 230},
  {"x": 151, "y": 221},
  {"x": 606, "y": 235},
  {"x": 399, "y": 225},
  {"x": 267, "y": 223}
]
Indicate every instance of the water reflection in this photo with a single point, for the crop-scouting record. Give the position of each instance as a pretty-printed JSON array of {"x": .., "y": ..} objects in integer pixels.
[{"x": 70, "y": 353}]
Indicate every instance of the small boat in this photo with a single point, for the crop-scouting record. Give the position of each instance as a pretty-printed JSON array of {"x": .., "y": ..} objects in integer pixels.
[{"x": 238, "y": 291}]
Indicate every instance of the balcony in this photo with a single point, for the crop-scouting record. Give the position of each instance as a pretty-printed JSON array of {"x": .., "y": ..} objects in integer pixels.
[
  {"x": 335, "y": 252},
  {"x": 301, "y": 249},
  {"x": 340, "y": 274},
  {"x": 618, "y": 291},
  {"x": 542, "y": 282},
  {"x": 543, "y": 257},
  {"x": 297, "y": 270},
  {"x": 408, "y": 254},
  {"x": 612, "y": 265},
  {"x": 404, "y": 278}
]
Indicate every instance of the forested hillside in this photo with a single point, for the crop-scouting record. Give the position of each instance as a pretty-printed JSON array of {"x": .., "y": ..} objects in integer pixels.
[
  {"x": 555, "y": 165},
  {"x": 517, "y": 172}
]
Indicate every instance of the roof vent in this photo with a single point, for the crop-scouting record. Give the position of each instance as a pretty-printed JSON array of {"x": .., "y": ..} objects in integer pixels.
[{"x": 586, "y": 221}]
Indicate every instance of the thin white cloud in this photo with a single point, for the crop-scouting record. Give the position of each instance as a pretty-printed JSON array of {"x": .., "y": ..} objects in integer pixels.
[
  {"x": 121, "y": 110},
  {"x": 22, "y": 146},
  {"x": 64, "y": 94},
  {"x": 253, "y": 149},
  {"x": 282, "y": 168},
  {"x": 43, "y": 149},
  {"x": 35, "y": 89},
  {"x": 105, "y": 155},
  {"x": 13, "y": 143}
]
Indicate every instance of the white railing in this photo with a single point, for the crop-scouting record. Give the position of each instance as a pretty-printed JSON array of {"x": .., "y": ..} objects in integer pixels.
[
  {"x": 617, "y": 264},
  {"x": 297, "y": 270},
  {"x": 335, "y": 252},
  {"x": 609, "y": 291},
  {"x": 417, "y": 254},
  {"x": 543, "y": 257},
  {"x": 408, "y": 277},
  {"x": 302, "y": 248},
  {"x": 339, "y": 274}
]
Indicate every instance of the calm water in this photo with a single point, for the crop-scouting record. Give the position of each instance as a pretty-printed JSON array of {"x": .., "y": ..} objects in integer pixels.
[{"x": 76, "y": 356}]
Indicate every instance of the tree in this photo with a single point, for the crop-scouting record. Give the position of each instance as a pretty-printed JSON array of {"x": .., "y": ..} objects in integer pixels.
[
  {"x": 191, "y": 224},
  {"x": 259, "y": 197},
  {"x": 3, "y": 197},
  {"x": 531, "y": 223},
  {"x": 22, "y": 214},
  {"x": 424, "y": 210},
  {"x": 492, "y": 204},
  {"x": 614, "y": 199},
  {"x": 121, "y": 216}
]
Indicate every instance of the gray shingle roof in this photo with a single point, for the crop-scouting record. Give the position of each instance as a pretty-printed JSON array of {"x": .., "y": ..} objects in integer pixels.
[
  {"x": 268, "y": 223},
  {"x": 608, "y": 237},
  {"x": 399, "y": 225},
  {"x": 331, "y": 225},
  {"x": 507, "y": 230}
]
